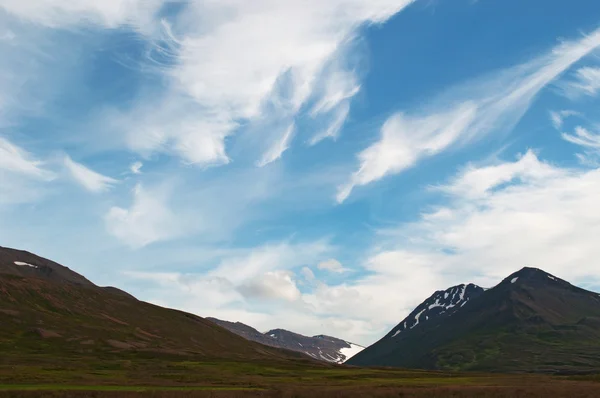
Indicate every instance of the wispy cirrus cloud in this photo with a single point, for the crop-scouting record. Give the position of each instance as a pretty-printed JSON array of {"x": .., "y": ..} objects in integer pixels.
[
  {"x": 557, "y": 118},
  {"x": 87, "y": 178},
  {"x": 252, "y": 63},
  {"x": 583, "y": 137},
  {"x": 136, "y": 167},
  {"x": 108, "y": 13},
  {"x": 149, "y": 219},
  {"x": 16, "y": 160},
  {"x": 585, "y": 81},
  {"x": 278, "y": 147},
  {"x": 495, "y": 103},
  {"x": 21, "y": 174}
]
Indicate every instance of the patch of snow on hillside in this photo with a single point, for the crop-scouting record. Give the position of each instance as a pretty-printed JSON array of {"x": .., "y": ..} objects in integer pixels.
[
  {"x": 551, "y": 277},
  {"x": 417, "y": 318},
  {"x": 349, "y": 352},
  {"x": 397, "y": 332},
  {"x": 436, "y": 304},
  {"x": 462, "y": 292},
  {"x": 514, "y": 279},
  {"x": 22, "y": 264}
]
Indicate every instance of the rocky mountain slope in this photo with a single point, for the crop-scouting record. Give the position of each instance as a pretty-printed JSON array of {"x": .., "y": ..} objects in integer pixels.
[
  {"x": 49, "y": 312},
  {"x": 321, "y": 347},
  {"x": 532, "y": 321}
]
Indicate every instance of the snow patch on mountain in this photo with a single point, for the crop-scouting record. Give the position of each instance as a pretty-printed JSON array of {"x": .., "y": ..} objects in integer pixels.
[
  {"x": 22, "y": 264},
  {"x": 348, "y": 353},
  {"x": 441, "y": 303}
]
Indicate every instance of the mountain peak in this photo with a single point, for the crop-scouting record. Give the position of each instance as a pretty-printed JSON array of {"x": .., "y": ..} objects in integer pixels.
[
  {"x": 531, "y": 275},
  {"x": 442, "y": 303},
  {"x": 28, "y": 265}
]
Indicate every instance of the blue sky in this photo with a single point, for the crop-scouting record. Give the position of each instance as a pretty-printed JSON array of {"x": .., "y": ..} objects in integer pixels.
[{"x": 316, "y": 167}]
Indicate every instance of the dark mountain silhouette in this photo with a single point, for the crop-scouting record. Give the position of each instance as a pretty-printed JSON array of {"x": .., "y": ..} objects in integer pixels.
[{"x": 532, "y": 321}]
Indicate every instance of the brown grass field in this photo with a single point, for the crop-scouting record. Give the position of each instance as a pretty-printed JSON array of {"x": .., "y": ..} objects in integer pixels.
[{"x": 172, "y": 379}]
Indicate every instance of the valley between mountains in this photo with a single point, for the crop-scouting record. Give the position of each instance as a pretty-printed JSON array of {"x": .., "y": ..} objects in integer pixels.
[{"x": 61, "y": 332}]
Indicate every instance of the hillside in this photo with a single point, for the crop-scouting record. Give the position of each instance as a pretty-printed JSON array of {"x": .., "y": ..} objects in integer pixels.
[
  {"x": 532, "y": 321},
  {"x": 321, "y": 347},
  {"x": 47, "y": 311}
]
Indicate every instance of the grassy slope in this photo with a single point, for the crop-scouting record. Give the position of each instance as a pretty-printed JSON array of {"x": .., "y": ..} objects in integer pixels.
[{"x": 42, "y": 321}]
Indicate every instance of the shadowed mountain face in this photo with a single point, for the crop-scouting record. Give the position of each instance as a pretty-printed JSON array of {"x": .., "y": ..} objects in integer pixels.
[
  {"x": 441, "y": 304},
  {"x": 323, "y": 348},
  {"x": 47, "y": 311},
  {"x": 532, "y": 321}
]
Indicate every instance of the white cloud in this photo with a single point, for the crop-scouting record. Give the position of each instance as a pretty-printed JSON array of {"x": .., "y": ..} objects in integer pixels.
[
  {"x": 475, "y": 182},
  {"x": 21, "y": 176},
  {"x": 583, "y": 137},
  {"x": 331, "y": 265},
  {"x": 88, "y": 179},
  {"x": 15, "y": 160},
  {"x": 523, "y": 213},
  {"x": 270, "y": 258},
  {"x": 271, "y": 285},
  {"x": 241, "y": 63},
  {"x": 495, "y": 103},
  {"x": 278, "y": 147},
  {"x": 589, "y": 159},
  {"x": 175, "y": 125},
  {"x": 308, "y": 274},
  {"x": 404, "y": 140},
  {"x": 136, "y": 167},
  {"x": 589, "y": 141},
  {"x": 558, "y": 117},
  {"x": 585, "y": 82},
  {"x": 66, "y": 14},
  {"x": 148, "y": 220},
  {"x": 336, "y": 123}
]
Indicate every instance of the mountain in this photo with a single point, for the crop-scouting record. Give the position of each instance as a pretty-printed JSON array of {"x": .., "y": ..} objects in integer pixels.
[
  {"x": 48, "y": 311},
  {"x": 321, "y": 347},
  {"x": 531, "y": 322},
  {"x": 442, "y": 303}
]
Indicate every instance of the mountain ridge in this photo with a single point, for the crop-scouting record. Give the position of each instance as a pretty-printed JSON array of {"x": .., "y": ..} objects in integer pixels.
[
  {"x": 531, "y": 321},
  {"x": 320, "y": 347}
]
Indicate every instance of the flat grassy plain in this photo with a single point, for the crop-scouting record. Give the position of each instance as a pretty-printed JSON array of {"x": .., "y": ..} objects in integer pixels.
[{"x": 172, "y": 378}]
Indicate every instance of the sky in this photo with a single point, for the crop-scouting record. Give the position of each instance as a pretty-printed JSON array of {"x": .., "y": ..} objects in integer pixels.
[{"x": 318, "y": 166}]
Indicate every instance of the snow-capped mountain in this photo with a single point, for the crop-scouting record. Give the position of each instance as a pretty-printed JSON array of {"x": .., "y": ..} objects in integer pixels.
[
  {"x": 441, "y": 303},
  {"x": 321, "y": 347},
  {"x": 532, "y": 321}
]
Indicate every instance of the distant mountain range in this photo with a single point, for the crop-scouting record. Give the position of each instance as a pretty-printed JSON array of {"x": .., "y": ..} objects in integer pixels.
[
  {"x": 532, "y": 321},
  {"x": 323, "y": 348}
]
